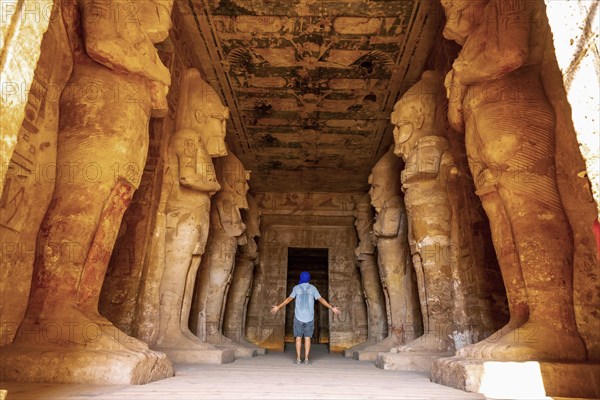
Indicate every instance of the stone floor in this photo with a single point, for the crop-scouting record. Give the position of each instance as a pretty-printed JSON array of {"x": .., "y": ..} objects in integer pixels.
[{"x": 273, "y": 376}]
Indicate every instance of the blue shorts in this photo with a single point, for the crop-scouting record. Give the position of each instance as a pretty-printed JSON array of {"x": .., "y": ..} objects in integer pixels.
[{"x": 305, "y": 329}]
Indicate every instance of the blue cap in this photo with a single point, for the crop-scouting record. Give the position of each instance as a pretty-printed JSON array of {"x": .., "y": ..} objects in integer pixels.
[{"x": 304, "y": 277}]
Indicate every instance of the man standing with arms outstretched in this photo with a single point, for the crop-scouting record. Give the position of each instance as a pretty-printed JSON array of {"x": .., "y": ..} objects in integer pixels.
[{"x": 304, "y": 318}]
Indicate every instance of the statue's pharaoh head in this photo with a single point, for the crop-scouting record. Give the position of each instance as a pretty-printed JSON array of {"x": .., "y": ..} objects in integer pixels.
[
  {"x": 415, "y": 115},
  {"x": 385, "y": 179},
  {"x": 233, "y": 179},
  {"x": 200, "y": 109},
  {"x": 154, "y": 17},
  {"x": 462, "y": 17}
]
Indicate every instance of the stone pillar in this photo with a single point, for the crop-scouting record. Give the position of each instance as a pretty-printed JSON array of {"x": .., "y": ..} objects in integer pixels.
[
  {"x": 369, "y": 272},
  {"x": 190, "y": 180},
  {"x": 428, "y": 165},
  {"x": 102, "y": 145},
  {"x": 510, "y": 140},
  {"x": 24, "y": 23},
  {"x": 31, "y": 174},
  {"x": 226, "y": 233},
  {"x": 234, "y": 318},
  {"x": 393, "y": 257}
]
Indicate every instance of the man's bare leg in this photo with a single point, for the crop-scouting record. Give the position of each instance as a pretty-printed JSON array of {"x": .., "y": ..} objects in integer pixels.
[
  {"x": 306, "y": 348},
  {"x": 298, "y": 348}
]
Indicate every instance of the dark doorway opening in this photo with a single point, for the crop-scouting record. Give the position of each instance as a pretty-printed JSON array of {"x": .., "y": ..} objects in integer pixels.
[{"x": 316, "y": 262}]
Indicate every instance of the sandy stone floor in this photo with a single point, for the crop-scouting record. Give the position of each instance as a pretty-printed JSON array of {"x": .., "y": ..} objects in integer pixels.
[{"x": 273, "y": 376}]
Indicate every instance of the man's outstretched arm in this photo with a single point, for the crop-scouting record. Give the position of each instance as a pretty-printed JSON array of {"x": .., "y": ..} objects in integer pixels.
[
  {"x": 287, "y": 301},
  {"x": 326, "y": 304}
]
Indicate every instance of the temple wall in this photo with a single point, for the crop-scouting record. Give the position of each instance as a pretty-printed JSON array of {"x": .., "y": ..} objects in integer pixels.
[
  {"x": 310, "y": 221},
  {"x": 24, "y": 23}
]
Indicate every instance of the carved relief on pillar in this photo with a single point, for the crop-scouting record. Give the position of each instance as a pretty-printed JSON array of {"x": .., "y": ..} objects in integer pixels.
[{"x": 22, "y": 33}]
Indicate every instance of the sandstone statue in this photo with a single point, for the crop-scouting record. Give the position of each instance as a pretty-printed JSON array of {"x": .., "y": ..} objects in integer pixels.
[
  {"x": 190, "y": 182},
  {"x": 29, "y": 180},
  {"x": 246, "y": 259},
  {"x": 420, "y": 140},
  {"x": 216, "y": 268},
  {"x": 366, "y": 258},
  {"x": 393, "y": 257},
  {"x": 497, "y": 100},
  {"x": 118, "y": 83}
]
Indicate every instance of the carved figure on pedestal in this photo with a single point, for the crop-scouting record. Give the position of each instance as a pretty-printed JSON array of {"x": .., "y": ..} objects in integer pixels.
[
  {"x": 369, "y": 272},
  {"x": 191, "y": 180},
  {"x": 226, "y": 233},
  {"x": 497, "y": 99},
  {"x": 118, "y": 83},
  {"x": 420, "y": 141},
  {"x": 234, "y": 318},
  {"x": 393, "y": 255}
]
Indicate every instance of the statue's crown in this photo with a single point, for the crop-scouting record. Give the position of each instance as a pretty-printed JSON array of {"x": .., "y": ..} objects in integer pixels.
[{"x": 388, "y": 161}]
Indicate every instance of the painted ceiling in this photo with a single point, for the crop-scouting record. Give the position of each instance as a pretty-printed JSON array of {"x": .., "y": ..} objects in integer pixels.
[{"x": 310, "y": 84}]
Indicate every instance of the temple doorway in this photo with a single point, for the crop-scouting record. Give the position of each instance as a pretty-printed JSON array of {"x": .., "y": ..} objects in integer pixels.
[{"x": 315, "y": 261}]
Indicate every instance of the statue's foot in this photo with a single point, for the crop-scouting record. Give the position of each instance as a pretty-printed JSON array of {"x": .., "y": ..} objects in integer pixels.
[
  {"x": 428, "y": 343},
  {"x": 393, "y": 340},
  {"x": 217, "y": 338},
  {"x": 475, "y": 350},
  {"x": 71, "y": 327},
  {"x": 184, "y": 341},
  {"x": 534, "y": 342}
]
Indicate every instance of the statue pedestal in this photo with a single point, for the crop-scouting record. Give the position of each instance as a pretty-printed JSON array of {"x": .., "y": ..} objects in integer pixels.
[
  {"x": 239, "y": 350},
  {"x": 260, "y": 351},
  {"x": 350, "y": 352},
  {"x": 196, "y": 356},
  {"x": 367, "y": 355},
  {"x": 370, "y": 353},
  {"x": 408, "y": 361},
  {"x": 56, "y": 364},
  {"x": 518, "y": 380}
]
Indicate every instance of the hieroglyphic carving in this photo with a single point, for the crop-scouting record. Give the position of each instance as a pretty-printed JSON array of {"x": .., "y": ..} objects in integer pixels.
[{"x": 22, "y": 29}]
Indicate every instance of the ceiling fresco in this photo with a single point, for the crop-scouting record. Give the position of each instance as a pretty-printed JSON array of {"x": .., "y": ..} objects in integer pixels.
[{"x": 310, "y": 84}]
